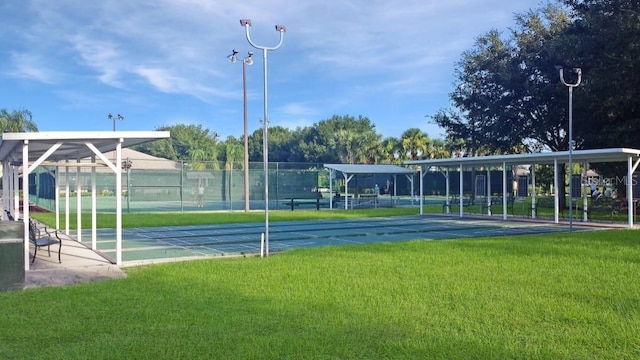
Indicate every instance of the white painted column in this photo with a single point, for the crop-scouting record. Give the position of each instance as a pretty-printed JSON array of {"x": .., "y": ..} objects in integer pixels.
[
  {"x": 533, "y": 191},
  {"x": 57, "y": 197},
  {"x": 585, "y": 205},
  {"x": 505, "y": 210},
  {"x": 460, "y": 198},
  {"x": 5, "y": 187},
  {"x": 421, "y": 184},
  {"x": 630, "y": 208},
  {"x": 78, "y": 203},
  {"x": 489, "y": 211},
  {"x": 94, "y": 231},
  {"x": 67, "y": 198},
  {"x": 556, "y": 195},
  {"x": 118, "y": 166},
  {"x": 448, "y": 192},
  {"x": 25, "y": 201},
  {"x": 16, "y": 192}
]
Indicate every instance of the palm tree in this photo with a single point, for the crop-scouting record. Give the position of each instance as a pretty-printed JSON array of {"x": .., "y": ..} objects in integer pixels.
[
  {"x": 438, "y": 149},
  {"x": 17, "y": 121},
  {"x": 235, "y": 153},
  {"x": 390, "y": 150},
  {"x": 198, "y": 157},
  {"x": 415, "y": 143}
]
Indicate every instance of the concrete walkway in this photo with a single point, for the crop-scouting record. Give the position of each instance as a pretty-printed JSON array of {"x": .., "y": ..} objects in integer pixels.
[{"x": 79, "y": 265}]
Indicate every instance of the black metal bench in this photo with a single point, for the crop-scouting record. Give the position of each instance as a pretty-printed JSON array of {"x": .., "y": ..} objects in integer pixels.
[
  {"x": 313, "y": 198},
  {"x": 41, "y": 237},
  {"x": 297, "y": 202}
]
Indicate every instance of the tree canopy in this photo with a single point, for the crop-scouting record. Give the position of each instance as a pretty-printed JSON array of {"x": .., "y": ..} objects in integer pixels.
[
  {"x": 508, "y": 95},
  {"x": 338, "y": 139},
  {"x": 17, "y": 121}
]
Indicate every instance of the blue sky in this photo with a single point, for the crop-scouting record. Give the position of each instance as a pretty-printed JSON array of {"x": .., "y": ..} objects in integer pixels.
[{"x": 163, "y": 62}]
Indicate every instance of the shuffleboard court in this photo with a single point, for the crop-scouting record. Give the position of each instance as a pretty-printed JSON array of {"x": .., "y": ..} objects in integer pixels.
[{"x": 150, "y": 244}]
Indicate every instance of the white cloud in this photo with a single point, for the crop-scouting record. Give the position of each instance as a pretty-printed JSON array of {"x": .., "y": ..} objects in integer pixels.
[
  {"x": 101, "y": 56},
  {"x": 296, "y": 109},
  {"x": 31, "y": 67},
  {"x": 337, "y": 56},
  {"x": 165, "y": 81}
]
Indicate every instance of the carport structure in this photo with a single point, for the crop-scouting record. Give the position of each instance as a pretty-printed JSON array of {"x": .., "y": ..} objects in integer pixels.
[
  {"x": 620, "y": 155},
  {"x": 349, "y": 170},
  {"x": 22, "y": 153}
]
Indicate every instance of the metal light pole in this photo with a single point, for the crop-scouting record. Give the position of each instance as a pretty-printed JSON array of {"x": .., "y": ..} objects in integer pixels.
[
  {"x": 281, "y": 29},
  {"x": 246, "y": 61},
  {"x": 114, "y": 118},
  {"x": 578, "y": 71}
]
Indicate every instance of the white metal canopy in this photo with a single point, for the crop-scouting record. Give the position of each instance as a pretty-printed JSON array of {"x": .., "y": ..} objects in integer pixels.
[
  {"x": 30, "y": 150},
  {"x": 629, "y": 156},
  {"x": 349, "y": 170},
  {"x": 591, "y": 156}
]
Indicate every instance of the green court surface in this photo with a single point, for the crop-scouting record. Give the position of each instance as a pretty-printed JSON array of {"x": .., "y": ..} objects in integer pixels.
[{"x": 149, "y": 244}]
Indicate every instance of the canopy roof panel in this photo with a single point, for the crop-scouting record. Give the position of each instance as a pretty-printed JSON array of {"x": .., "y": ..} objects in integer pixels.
[
  {"x": 591, "y": 156},
  {"x": 73, "y": 143},
  {"x": 369, "y": 169}
]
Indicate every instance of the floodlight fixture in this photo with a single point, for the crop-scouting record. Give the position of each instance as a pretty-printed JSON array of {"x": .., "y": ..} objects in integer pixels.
[
  {"x": 245, "y": 22},
  {"x": 577, "y": 71},
  {"x": 233, "y": 56},
  {"x": 114, "y": 118}
]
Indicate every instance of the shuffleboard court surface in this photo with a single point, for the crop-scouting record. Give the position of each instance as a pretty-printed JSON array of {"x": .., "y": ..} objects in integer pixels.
[{"x": 148, "y": 244}]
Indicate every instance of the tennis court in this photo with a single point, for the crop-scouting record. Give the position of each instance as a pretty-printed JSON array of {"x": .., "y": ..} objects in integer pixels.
[{"x": 142, "y": 245}]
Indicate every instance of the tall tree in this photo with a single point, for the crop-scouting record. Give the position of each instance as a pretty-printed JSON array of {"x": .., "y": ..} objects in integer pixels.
[
  {"x": 341, "y": 139},
  {"x": 508, "y": 93},
  {"x": 17, "y": 121},
  {"x": 279, "y": 144},
  {"x": 415, "y": 144},
  {"x": 185, "y": 141},
  {"x": 391, "y": 149},
  {"x": 607, "y": 38},
  {"x": 233, "y": 153},
  {"x": 507, "y": 90}
]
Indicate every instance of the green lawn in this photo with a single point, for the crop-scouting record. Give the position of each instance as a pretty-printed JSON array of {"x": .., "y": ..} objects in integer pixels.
[
  {"x": 108, "y": 220},
  {"x": 561, "y": 296}
]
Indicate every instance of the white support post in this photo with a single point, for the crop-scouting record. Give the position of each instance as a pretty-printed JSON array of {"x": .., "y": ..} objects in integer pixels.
[
  {"x": 630, "y": 207},
  {"x": 118, "y": 194},
  {"x": 78, "y": 203},
  {"x": 533, "y": 191},
  {"x": 25, "y": 201},
  {"x": 421, "y": 191},
  {"x": 57, "y": 196},
  {"x": 448, "y": 192},
  {"x": 5, "y": 186},
  {"x": 504, "y": 191},
  {"x": 461, "y": 197},
  {"x": 585, "y": 205},
  {"x": 16, "y": 193},
  {"x": 346, "y": 190},
  {"x": 67, "y": 199},
  {"x": 395, "y": 190},
  {"x": 556, "y": 195},
  {"x": 94, "y": 201},
  {"x": 489, "y": 212},
  {"x": 332, "y": 175}
]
